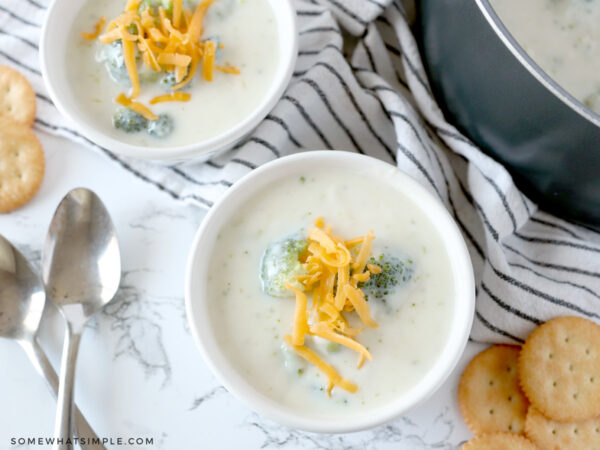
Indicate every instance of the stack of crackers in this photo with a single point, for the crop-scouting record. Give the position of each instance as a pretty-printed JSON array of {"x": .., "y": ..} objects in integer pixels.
[
  {"x": 543, "y": 395},
  {"x": 21, "y": 154}
]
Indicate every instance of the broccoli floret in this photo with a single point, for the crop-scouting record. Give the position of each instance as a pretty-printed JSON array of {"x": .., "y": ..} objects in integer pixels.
[
  {"x": 114, "y": 61},
  {"x": 161, "y": 127},
  {"x": 129, "y": 121},
  {"x": 169, "y": 80},
  {"x": 280, "y": 263},
  {"x": 394, "y": 272}
]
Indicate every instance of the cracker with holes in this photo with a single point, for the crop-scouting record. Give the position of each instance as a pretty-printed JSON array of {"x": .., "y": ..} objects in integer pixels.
[
  {"x": 499, "y": 441},
  {"x": 17, "y": 98},
  {"x": 21, "y": 164},
  {"x": 489, "y": 395},
  {"x": 546, "y": 433},
  {"x": 559, "y": 368}
]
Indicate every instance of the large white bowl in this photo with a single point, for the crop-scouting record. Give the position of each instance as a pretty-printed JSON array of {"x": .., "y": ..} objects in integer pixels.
[
  {"x": 296, "y": 165},
  {"x": 53, "y": 57}
]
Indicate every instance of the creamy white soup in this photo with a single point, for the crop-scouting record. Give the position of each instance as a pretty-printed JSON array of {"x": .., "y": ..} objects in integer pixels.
[
  {"x": 563, "y": 38},
  {"x": 244, "y": 39},
  {"x": 410, "y": 296}
]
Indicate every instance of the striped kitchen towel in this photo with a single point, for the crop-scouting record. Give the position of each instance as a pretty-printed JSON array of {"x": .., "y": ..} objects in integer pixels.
[{"x": 364, "y": 89}]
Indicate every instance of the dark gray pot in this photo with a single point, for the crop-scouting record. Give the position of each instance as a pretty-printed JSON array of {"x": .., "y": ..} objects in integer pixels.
[{"x": 501, "y": 99}]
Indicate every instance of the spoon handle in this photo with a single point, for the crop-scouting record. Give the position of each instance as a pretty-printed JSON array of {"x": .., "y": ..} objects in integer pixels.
[
  {"x": 44, "y": 367},
  {"x": 63, "y": 428}
]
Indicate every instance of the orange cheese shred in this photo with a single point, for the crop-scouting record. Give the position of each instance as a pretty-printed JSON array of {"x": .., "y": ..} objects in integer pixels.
[
  {"x": 300, "y": 321},
  {"x": 129, "y": 55},
  {"x": 210, "y": 50},
  {"x": 97, "y": 30},
  {"x": 173, "y": 97},
  {"x": 335, "y": 379},
  {"x": 139, "y": 108}
]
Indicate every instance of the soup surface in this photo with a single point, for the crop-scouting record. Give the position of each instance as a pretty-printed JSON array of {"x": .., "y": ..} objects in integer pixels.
[
  {"x": 245, "y": 32},
  {"x": 563, "y": 38},
  {"x": 413, "y": 318}
]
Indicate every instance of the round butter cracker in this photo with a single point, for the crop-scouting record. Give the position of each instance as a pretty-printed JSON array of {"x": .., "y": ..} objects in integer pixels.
[
  {"x": 489, "y": 396},
  {"x": 559, "y": 368},
  {"x": 17, "y": 98},
  {"x": 546, "y": 433},
  {"x": 21, "y": 164},
  {"x": 499, "y": 441}
]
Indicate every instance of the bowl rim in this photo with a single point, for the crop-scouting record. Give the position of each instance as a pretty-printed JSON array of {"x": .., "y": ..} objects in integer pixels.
[
  {"x": 222, "y": 141},
  {"x": 523, "y": 57},
  {"x": 437, "y": 374}
]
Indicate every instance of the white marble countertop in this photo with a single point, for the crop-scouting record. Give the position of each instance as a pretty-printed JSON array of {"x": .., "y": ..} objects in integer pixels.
[{"x": 139, "y": 374}]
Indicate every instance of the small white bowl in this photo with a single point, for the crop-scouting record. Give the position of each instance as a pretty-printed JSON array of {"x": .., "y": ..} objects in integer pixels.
[
  {"x": 53, "y": 57},
  {"x": 294, "y": 166}
]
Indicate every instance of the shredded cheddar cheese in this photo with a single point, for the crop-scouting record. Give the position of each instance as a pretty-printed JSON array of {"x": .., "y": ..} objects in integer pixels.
[
  {"x": 165, "y": 42},
  {"x": 139, "y": 108},
  {"x": 333, "y": 269},
  {"x": 172, "y": 97},
  {"x": 97, "y": 30}
]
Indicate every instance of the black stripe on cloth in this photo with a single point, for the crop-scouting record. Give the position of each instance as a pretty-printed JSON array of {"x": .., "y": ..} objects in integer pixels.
[
  {"x": 214, "y": 165},
  {"x": 347, "y": 11},
  {"x": 354, "y": 102},
  {"x": 263, "y": 143},
  {"x": 568, "y": 283},
  {"x": 281, "y": 122},
  {"x": 310, "y": 13},
  {"x": 44, "y": 98},
  {"x": 189, "y": 178},
  {"x": 381, "y": 7},
  {"x": 558, "y": 267},
  {"x": 22, "y": 39},
  {"x": 243, "y": 162},
  {"x": 36, "y": 4},
  {"x": 308, "y": 119},
  {"x": 555, "y": 226},
  {"x": 418, "y": 165},
  {"x": 19, "y": 63},
  {"x": 509, "y": 308},
  {"x": 557, "y": 242},
  {"x": 369, "y": 56},
  {"x": 19, "y": 18},
  {"x": 533, "y": 291},
  {"x": 525, "y": 204},
  {"x": 123, "y": 164},
  {"x": 320, "y": 30},
  {"x": 453, "y": 135},
  {"x": 495, "y": 329},
  {"x": 313, "y": 84},
  {"x": 502, "y": 199},
  {"x": 480, "y": 210}
]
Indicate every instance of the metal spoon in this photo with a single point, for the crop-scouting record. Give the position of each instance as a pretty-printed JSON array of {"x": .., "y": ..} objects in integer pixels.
[
  {"x": 81, "y": 268},
  {"x": 22, "y": 301}
]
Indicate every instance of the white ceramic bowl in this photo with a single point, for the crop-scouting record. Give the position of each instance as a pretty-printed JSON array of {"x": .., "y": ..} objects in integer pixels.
[
  {"x": 294, "y": 166},
  {"x": 53, "y": 56}
]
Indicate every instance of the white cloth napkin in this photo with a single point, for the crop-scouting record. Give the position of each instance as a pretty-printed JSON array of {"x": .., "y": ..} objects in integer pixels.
[{"x": 365, "y": 90}]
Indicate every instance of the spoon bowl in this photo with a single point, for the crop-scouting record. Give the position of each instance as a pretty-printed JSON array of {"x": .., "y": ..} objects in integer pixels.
[
  {"x": 22, "y": 297},
  {"x": 81, "y": 261},
  {"x": 81, "y": 268}
]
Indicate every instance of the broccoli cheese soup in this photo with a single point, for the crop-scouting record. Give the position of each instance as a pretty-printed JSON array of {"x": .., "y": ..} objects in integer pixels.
[
  {"x": 563, "y": 38},
  {"x": 330, "y": 292},
  {"x": 172, "y": 72}
]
